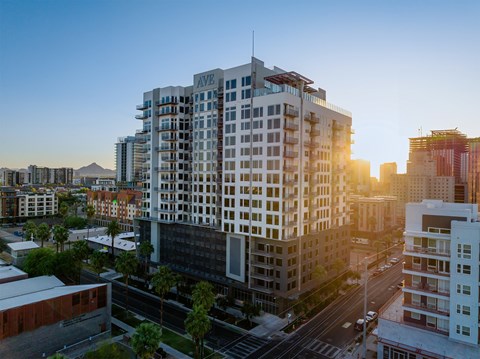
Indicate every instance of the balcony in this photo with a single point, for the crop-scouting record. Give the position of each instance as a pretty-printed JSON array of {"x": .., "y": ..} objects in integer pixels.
[
  {"x": 315, "y": 133},
  {"x": 141, "y": 117},
  {"x": 169, "y": 127},
  {"x": 142, "y": 107},
  {"x": 262, "y": 289},
  {"x": 427, "y": 288},
  {"x": 292, "y": 209},
  {"x": 165, "y": 169},
  {"x": 168, "y": 200},
  {"x": 311, "y": 169},
  {"x": 289, "y": 182},
  {"x": 290, "y": 112},
  {"x": 290, "y": 126},
  {"x": 167, "y": 111},
  {"x": 164, "y": 210},
  {"x": 168, "y": 159},
  {"x": 310, "y": 144},
  {"x": 290, "y": 154},
  {"x": 290, "y": 223},
  {"x": 418, "y": 269},
  {"x": 290, "y": 140},
  {"x": 165, "y": 190},
  {"x": 312, "y": 118},
  {"x": 169, "y": 101},
  {"x": 258, "y": 252},
  {"x": 428, "y": 251},
  {"x": 288, "y": 168},
  {"x": 427, "y": 308},
  {"x": 165, "y": 148},
  {"x": 290, "y": 196},
  {"x": 264, "y": 277},
  {"x": 169, "y": 138}
]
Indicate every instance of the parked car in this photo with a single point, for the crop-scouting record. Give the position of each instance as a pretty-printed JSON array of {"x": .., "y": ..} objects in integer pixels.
[
  {"x": 371, "y": 316},
  {"x": 394, "y": 260},
  {"x": 359, "y": 325},
  {"x": 388, "y": 265}
]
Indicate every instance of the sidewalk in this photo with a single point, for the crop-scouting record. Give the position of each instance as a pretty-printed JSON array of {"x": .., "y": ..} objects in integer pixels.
[
  {"x": 268, "y": 325},
  {"x": 130, "y": 330},
  {"x": 357, "y": 352}
]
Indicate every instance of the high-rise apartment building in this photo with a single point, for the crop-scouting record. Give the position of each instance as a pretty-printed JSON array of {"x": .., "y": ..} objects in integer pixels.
[
  {"x": 437, "y": 315},
  {"x": 12, "y": 178},
  {"x": 45, "y": 175},
  {"x": 245, "y": 181},
  {"x": 129, "y": 153}
]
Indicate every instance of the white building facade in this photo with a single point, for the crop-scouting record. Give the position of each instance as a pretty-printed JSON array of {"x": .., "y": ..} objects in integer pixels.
[
  {"x": 439, "y": 316},
  {"x": 245, "y": 179}
]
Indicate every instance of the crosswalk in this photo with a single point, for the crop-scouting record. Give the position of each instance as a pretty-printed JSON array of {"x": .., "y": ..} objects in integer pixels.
[
  {"x": 245, "y": 347},
  {"x": 322, "y": 348}
]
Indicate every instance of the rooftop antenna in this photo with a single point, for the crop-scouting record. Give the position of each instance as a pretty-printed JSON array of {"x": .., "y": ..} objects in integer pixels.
[{"x": 253, "y": 43}]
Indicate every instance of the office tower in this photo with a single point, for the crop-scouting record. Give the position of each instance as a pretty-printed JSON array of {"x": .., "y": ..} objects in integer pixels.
[
  {"x": 360, "y": 177},
  {"x": 437, "y": 314},
  {"x": 245, "y": 181},
  {"x": 386, "y": 171}
]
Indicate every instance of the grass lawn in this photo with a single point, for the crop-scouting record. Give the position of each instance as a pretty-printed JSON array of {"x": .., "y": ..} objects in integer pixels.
[{"x": 126, "y": 317}]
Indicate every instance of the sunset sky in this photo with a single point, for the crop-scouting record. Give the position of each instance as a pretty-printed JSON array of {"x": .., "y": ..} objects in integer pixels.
[{"x": 72, "y": 72}]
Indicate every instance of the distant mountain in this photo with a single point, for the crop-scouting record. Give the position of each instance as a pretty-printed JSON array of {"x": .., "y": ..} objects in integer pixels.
[{"x": 93, "y": 170}]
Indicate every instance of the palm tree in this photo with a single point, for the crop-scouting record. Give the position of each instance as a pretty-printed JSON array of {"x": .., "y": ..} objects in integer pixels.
[
  {"x": 113, "y": 230},
  {"x": 203, "y": 295},
  {"x": 60, "y": 235},
  {"x": 98, "y": 261},
  {"x": 43, "y": 232},
  {"x": 146, "y": 340},
  {"x": 126, "y": 263},
  {"x": 81, "y": 250},
  {"x": 63, "y": 210},
  {"x": 163, "y": 281},
  {"x": 29, "y": 230},
  {"x": 90, "y": 212},
  {"x": 197, "y": 325},
  {"x": 146, "y": 249}
]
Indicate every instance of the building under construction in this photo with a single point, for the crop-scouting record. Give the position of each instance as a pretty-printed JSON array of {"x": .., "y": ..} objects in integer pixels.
[{"x": 448, "y": 149}]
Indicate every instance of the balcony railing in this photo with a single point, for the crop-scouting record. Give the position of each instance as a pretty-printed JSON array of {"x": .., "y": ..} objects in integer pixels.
[
  {"x": 166, "y": 128},
  {"x": 142, "y": 107},
  {"x": 290, "y": 154},
  {"x": 425, "y": 250},
  {"x": 427, "y": 308},
  {"x": 291, "y": 112},
  {"x": 312, "y": 118},
  {"x": 425, "y": 287},
  {"x": 290, "y": 126},
  {"x": 141, "y": 117},
  {"x": 287, "y": 168},
  {"x": 291, "y": 140}
]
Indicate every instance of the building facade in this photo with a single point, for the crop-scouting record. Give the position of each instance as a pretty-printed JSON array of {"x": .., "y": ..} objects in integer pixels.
[
  {"x": 128, "y": 159},
  {"x": 373, "y": 217},
  {"x": 122, "y": 206},
  {"x": 16, "y": 205},
  {"x": 438, "y": 314},
  {"x": 386, "y": 171},
  {"x": 245, "y": 180},
  {"x": 46, "y": 175},
  {"x": 360, "y": 181},
  {"x": 40, "y": 316},
  {"x": 12, "y": 178},
  {"x": 473, "y": 172}
]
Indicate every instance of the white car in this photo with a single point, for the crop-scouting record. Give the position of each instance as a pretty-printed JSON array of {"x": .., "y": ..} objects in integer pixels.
[
  {"x": 371, "y": 316},
  {"x": 394, "y": 260}
]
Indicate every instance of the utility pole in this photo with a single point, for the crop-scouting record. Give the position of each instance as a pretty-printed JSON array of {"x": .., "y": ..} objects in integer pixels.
[{"x": 365, "y": 298}]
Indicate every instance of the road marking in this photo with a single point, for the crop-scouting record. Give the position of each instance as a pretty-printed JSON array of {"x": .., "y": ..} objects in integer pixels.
[{"x": 346, "y": 325}]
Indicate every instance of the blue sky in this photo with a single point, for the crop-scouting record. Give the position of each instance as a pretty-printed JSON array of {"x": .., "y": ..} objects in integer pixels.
[{"x": 72, "y": 72}]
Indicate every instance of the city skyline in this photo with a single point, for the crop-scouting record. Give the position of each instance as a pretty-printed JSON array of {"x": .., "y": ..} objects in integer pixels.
[{"x": 78, "y": 68}]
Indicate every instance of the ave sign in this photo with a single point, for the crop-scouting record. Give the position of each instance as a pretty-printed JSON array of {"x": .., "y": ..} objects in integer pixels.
[{"x": 206, "y": 80}]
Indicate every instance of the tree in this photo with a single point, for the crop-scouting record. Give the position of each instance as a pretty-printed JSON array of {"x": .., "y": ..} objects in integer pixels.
[
  {"x": 203, "y": 295},
  {"x": 319, "y": 273},
  {"x": 372, "y": 223},
  {"x": 67, "y": 266},
  {"x": 300, "y": 307},
  {"x": 338, "y": 265},
  {"x": 353, "y": 274},
  {"x": 43, "y": 233},
  {"x": 113, "y": 230},
  {"x": 75, "y": 222},
  {"x": 126, "y": 263},
  {"x": 39, "y": 261},
  {"x": 81, "y": 250},
  {"x": 388, "y": 243},
  {"x": 377, "y": 245},
  {"x": 98, "y": 260},
  {"x": 146, "y": 249},
  {"x": 57, "y": 356},
  {"x": 63, "y": 210},
  {"x": 146, "y": 340},
  {"x": 163, "y": 281},
  {"x": 60, "y": 235},
  {"x": 250, "y": 310},
  {"x": 90, "y": 212},
  {"x": 197, "y": 325},
  {"x": 29, "y": 230}
]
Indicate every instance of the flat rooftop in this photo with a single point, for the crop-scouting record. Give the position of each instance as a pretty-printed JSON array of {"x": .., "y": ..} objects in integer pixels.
[
  {"x": 10, "y": 271},
  {"x": 19, "y": 246},
  {"x": 121, "y": 241}
]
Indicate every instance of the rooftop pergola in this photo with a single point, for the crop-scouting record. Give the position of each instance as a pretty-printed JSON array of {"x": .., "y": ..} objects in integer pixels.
[{"x": 291, "y": 78}]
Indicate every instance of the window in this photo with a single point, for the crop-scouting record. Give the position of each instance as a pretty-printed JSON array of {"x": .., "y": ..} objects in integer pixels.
[
  {"x": 415, "y": 316},
  {"x": 463, "y": 330},
  {"x": 463, "y": 309},
  {"x": 464, "y": 269},
  {"x": 463, "y": 289},
  {"x": 464, "y": 251}
]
